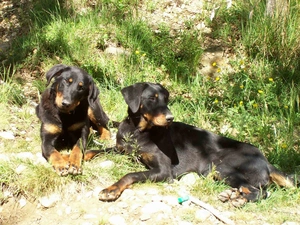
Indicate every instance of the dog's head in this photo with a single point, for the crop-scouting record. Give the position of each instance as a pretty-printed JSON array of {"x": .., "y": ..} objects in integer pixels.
[
  {"x": 149, "y": 102},
  {"x": 71, "y": 86}
]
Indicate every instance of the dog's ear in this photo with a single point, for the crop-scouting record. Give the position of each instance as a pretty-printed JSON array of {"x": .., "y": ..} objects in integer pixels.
[
  {"x": 93, "y": 92},
  {"x": 132, "y": 95},
  {"x": 165, "y": 91},
  {"x": 55, "y": 71}
]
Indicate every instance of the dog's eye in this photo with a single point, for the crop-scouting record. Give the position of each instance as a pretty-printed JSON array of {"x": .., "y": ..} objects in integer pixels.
[
  {"x": 152, "y": 98},
  {"x": 66, "y": 82}
]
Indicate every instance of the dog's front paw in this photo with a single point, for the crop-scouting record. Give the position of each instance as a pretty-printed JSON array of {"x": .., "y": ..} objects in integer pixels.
[
  {"x": 233, "y": 196},
  {"x": 61, "y": 167},
  {"x": 75, "y": 161},
  {"x": 111, "y": 193},
  {"x": 74, "y": 169}
]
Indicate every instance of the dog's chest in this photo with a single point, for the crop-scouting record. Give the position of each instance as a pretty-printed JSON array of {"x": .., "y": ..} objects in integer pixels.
[
  {"x": 73, "y": 121},
  {"x": 162, "y": 139}
]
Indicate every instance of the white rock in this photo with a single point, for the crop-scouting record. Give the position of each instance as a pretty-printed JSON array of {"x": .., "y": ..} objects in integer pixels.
[
  {"x": 145, "y": 217},
  {"x": 4, "y": 157},
  {"x": 88, "y": 194},
  {"x": 290, "y": 223},
  {"x": 202, "y": 215},
  {"x": 133, "y": 207},
  {"x": 7, "y": 135},
  {"x": 7, "y": 194},
  {"x": 170, "y": 200},
  {"x": 20, "y": 169},
  {"x": 25, "y": 155},
  {"x": 96, "y": 191},
  {"x": 128, "y": 193},
  {"x": 39, "y": 159},
  {"x": 22, "y": 202},
  {"x": 184, "y": 223},
  {"x": 89, "y": 216},
  {"x": 162, "y": 216},
  {"x": 116, "y": 51},
  {"x": 59, "y": 212},
  {"x": 157, "y": 198},
  {"x": 152, "y": 191},
  {"x": 117, "y": 220},
  {"x": 86, "y": 223},
  {"x": 154, "y": 207},
  {"x": 189, "y": 179},
  {"x": 122, "y": 205},
  {"x": 49, "y": 201},
  {"x": 68, "y": 210},
  {"x": 107, "y": 164},
  {"x": 112, "y": 209}
]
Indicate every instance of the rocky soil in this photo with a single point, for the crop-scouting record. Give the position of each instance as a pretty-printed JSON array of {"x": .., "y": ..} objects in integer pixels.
[{"x": 80, "y": 205}]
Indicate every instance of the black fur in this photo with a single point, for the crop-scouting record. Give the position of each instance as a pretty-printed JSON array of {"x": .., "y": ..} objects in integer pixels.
[
  {"x": 67, "y": 110},
  {"x": 171, "y": 149}
]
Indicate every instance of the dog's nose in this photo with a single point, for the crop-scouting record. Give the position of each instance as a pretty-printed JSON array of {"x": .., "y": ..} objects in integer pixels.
[
  {"x": 65, "y": 103},
  {"x": 169, "y": 118}
]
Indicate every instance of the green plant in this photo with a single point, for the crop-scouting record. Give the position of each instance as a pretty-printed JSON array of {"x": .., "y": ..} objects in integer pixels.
[{"x": 10, "y": 91}]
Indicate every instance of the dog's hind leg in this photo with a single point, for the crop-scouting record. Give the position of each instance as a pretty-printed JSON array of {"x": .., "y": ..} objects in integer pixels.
[{"x": 99, "y": 121}]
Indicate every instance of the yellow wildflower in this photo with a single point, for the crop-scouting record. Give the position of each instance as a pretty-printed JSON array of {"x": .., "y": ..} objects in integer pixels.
[
  {"x": 241, "y": 86},
  {"x": 286, "y": 107},
  {"x": 214, "y": 64},
  {"x": 241, "y": 103},
  {"x": 255, "y": 105},
  {"x": 137, "y": 52},
  {"x": 260, "y": 91},
  {"x": 218, "y": 70},
  {"x": 217, "y": 78},
  {"x": 216, "y": 101},
  {"x": 284, "y": 145},
  {"x": 271, "y": 79}
]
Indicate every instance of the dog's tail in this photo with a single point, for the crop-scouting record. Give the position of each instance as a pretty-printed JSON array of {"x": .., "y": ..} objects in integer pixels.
[{"x": 279, "y": 178}]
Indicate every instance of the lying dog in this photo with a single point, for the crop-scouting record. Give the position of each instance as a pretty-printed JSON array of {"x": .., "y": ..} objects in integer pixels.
[
  {"x": 67, "y": 110},
  {"x": 170, "y": 149}
]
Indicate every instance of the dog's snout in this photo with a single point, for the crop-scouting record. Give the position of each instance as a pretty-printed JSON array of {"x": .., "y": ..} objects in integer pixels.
[
  {"x": 65, "y": 103},
  {"x": 169, "y": 118}
]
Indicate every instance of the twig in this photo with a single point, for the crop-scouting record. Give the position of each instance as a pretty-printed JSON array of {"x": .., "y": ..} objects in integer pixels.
[{"x": 209, "y": 208}]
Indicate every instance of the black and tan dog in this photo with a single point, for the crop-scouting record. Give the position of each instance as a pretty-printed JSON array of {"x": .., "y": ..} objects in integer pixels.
[
  {"x": 170, "y": 149},
  {"x": 67, "y": 110}
]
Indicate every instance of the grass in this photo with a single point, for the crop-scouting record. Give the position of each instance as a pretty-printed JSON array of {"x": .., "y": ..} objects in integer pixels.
[{"x": 255, "y": 98}]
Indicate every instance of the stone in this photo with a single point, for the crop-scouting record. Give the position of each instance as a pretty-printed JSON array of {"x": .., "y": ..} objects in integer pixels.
[
  {"x": 154, "y": 207},
  {"x": 107, "y": 164},
  {"x": 189, "y": 179},
  {"x": 20, "y": 169},
  {"x": 89, "y": 216},
  {"x": 202, "y": 215},
  {"x": 117, "y": 220},
  {"x": 22, "y": 202},
  {"x": 49, "y": 201},
  {"x": 7, "y": 135},
  {"x": 145, "y": 217}
]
